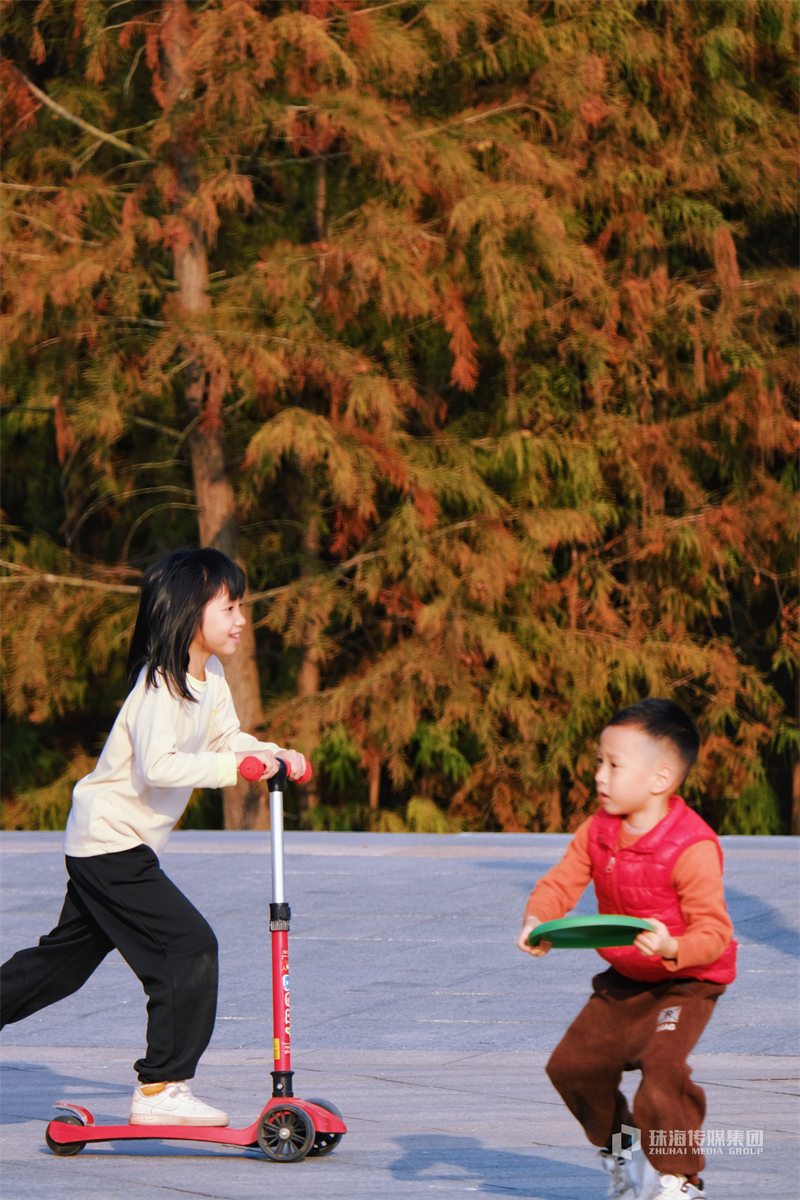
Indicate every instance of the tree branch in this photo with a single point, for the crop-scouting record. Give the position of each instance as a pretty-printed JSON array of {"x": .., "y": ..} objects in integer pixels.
[
  {"x": 343, "y": 567},
  {"x": 359, "y": 12},
  {"x": 129, "y": 76},
  {"x": 481, "y": 116},
  {"x": 76, "y": 120},
  {"x": 70, "y": 580},
  {"x": 13, "y": 212},
  {"x": 174, "y": 433},
  {"x": 27, "y": 187},
  {"x": 64, "y": 187}
]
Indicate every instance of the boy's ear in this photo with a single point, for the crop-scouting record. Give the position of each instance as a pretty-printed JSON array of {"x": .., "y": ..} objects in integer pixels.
[{"x": 665, "y": 777}]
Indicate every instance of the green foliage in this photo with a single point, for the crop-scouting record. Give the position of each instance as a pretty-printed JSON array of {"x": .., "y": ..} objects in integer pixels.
[
  {"x": 339, "y": 818},
  {"x": 424, "y": 816},
  {"x": 502, "y": 307},
  {"x": 757, "y": 811},
  {"x": 204, "y": 810},
  {"x": 46, "y": 807},
  {"x": 337, "y": 755}
]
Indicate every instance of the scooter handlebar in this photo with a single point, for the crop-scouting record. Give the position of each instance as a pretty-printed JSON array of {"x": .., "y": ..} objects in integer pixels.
[{"x": 252, "y": 768}]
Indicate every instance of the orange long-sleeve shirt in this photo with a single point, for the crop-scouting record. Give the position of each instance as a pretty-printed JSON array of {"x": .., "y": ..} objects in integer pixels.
[{"x": 696, "y": 877}]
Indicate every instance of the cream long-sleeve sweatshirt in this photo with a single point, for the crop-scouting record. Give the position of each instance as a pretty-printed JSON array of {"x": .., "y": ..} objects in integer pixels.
[{"x": 159, "y": 749}]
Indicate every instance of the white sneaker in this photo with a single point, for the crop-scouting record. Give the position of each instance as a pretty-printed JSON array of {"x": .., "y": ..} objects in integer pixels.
[
  {"x": 171, "y": 1104},
  {"x": 677, "y": 1187},
  {"x": 631, "y": 1179},
  {"x": 621, "y": 1185},
  {"x": 644, "y": 1175}
]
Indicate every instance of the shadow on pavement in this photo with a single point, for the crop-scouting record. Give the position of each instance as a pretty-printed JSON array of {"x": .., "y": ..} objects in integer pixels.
[
  {"x": 432, "y": 1158},
  {"x": 757, "y": 921},
  {"x": 27, "y": 1091}
]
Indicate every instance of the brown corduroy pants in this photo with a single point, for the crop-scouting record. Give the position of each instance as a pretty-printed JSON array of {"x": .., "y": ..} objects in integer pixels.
[{"x": 650, "y": 1027}]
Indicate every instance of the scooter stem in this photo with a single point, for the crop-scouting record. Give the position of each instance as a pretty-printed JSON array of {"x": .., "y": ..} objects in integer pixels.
[
  {"x": 279, "y": 917},
  {"x": 276, "y": 834}
]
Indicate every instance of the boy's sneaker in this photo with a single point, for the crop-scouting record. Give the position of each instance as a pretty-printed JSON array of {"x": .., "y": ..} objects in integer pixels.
[
  {"x": 621, "y": 1186},
  {"x": 677, "y": 1187},
  {"x": 171, "y": 1104},
  {"x": 645, "y": 1177},
  {"x": 631, "y": 1179}
]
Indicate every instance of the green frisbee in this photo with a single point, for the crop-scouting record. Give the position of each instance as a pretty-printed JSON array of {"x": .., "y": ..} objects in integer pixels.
[{"x": 589, "y": 933}]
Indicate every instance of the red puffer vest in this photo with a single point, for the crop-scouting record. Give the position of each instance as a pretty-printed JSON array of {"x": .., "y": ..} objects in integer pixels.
[{"x": 637, "y": 882}]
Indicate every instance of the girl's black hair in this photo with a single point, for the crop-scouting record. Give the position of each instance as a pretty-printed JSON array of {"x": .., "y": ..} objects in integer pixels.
[
  {"x": 175, "y": 590},
  {"x": 664, "y": 719}
]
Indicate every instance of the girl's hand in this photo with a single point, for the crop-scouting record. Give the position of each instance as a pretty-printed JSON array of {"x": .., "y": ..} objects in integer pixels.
[
  {"x": 295, "y": 763},
  {"x": 522, "y": 940},
  {"x": 271, "y": 764},
  {"x": 660, "y": 941}
]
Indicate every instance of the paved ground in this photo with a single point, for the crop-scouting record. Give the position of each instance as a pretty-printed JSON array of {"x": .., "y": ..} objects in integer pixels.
[{"x": 411, "y": 1010}]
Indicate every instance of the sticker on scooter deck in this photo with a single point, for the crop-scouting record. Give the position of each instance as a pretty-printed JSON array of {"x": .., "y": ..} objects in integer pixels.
[{"x": 589, "y": 933}]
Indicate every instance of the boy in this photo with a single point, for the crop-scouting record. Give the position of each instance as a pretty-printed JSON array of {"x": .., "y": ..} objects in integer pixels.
[{"x": 649, "y": 856}]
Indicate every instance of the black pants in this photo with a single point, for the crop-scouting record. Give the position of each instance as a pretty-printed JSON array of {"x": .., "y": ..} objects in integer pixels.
[{"x": 126, "y": 900}]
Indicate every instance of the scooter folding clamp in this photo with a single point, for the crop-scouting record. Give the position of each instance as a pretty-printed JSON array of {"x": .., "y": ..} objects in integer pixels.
[{"x": 279, "y": 916}]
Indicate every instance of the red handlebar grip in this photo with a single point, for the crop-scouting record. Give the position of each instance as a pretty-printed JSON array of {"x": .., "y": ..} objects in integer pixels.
[{"x": 251, "y": 767}]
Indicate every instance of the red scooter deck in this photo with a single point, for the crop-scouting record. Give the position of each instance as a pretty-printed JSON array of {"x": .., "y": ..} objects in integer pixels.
[{"x": 65, "y": 1134}]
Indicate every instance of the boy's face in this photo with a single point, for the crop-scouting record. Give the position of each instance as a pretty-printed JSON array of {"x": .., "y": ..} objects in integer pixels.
[{"x": 634, "y": 771}]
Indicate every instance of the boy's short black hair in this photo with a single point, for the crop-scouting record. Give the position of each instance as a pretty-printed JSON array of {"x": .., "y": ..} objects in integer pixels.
[{"x": 665, "y": 720}]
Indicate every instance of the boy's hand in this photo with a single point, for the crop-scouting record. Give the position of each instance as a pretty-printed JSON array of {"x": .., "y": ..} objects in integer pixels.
[
  {"x": 660, "y": 941},
  {"x": 295, "y": 763},
  {"x": 522, "y": 941}
]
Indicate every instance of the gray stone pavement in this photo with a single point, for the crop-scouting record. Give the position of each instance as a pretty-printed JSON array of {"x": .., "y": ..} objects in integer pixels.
[{"x": 412, "y": 1011}]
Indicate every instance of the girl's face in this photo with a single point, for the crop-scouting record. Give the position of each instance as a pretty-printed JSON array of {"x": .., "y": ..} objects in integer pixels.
[{"x": 221, "y": 626}]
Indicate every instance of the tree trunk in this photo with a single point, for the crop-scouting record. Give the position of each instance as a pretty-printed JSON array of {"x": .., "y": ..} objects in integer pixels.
[
  {"x": 308, "y": 675},
  {"x": 245, "y": 804},
  {"x": 374, "y": 775}
]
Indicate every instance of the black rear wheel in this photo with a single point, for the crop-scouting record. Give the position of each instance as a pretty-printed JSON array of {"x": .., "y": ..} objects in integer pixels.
[
  {"x": 285, "y": 1133},
  {"x": 62, "y": 1149},
  {"x": 324, "y": 1143}
]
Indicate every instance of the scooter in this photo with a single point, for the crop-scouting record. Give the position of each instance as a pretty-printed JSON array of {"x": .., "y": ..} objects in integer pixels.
[{"x": 287, "y": 1129}]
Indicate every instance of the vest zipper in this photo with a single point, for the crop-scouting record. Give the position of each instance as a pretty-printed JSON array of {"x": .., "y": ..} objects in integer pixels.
[{"x": 612, "y": 881}]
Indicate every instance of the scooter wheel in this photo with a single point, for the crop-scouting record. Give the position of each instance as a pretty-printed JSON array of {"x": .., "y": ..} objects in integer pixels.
[
  {"x": 285, "y": 1134},
  {"x": 64, "y": 1149},
  {"x": 324, "y": 1143}
]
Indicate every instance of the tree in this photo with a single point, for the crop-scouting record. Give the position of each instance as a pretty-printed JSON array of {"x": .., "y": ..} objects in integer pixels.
[{"x": 484, "y": 314}]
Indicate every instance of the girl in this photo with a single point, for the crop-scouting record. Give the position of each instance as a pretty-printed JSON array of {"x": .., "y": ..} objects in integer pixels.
[{"x": 176, "y": 731}]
